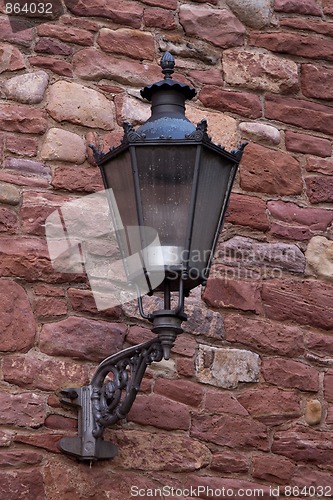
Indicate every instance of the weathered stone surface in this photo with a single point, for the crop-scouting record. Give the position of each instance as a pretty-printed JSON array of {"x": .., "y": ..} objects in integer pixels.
[
  {"x": 320, "y": 189},
  {"x": 307, "y": 144},
  {"x": 304, "y": 444},
  {"x": 87, "y": 180},
  {"x": 242, "y": 103},
  {"x": 218, "y": 402},
  {"x": 69, "y": 101},
  {"x": 249, "y": 211},
  {"x": 306, "y": 476},
  {"x": 264, "y": 335},
  {"x": 16, "y": 484},
  {"x": 92, "y": 64},
  {"x": 56, "y": 65},
  {"x": 201, "y": 50},
  {"x": 82, "y": 338},
  {"x": 311, "y": 46},
  {"x": 83, "y": 301},
  {"x": 21, "y": 145},
  {"x": 260, "y": 132},
  {"x": 8, "y": 221},
  {"x": 28, "y": 88},
  {"x": 58, "y": 422},
  {"x": 232, "y": 431},
  {"x": 23, "y": 410},
  {"x": 27, "y": 167},
  {"x": 11, "y": 59},
  {"x": 230, "y": 462},
  {"x": 321, "y": 343},
  {"x": 36, "y": 207},
  {"x": 133, "y": 43},
  {"x": 17, "y": 458},
  {"x": 276, "y": 470},
  {"x": 269, "y": 171},
  {"x": 270, "y": 404},
  {"x": 307, "y": 7},
  {"x": 160, "y": 412},
  {"x": 310, "y": 24},
  {"x": 244, "y": 295},
  {"x": 317, "y": 219},
  {"x": 9, "y": 194},
  {"x": 316, "y": 81},
  {"x": 307, "y": 302},
  {"x": 21, "y": 118},
  {"x": 249, "y": 253},
  {"x": 22, "y": 35},
  {"x": 53, "y": 47},
  {"x": 314, "y": 164},
  {"x": 328, "y": 7},
  {"x": 183, "y": 391},
  {"x": 17, "y": 331},
  {"x": 185, "y": 367},
  {"x": 119, "y": 11},
  {"x": 225, "y": 367},
  {"x": 328, "y": 386},
  {"x": 294, "y": 233},
  {"x": 218, "y": 26},
  {"x": 66, "y": 33},
  {"x": 160, "y": 452},
  {"x": 63, "y": 145},
  {"x": 131, "y": 109},
  {"x": 45, "y": 440},
  {"x": 41, "y": 372},
  {"x": 221, "y": 127},
  {"x": 291, "y": 374},
  {"x": 159, "y": 18},
  {"x": 313, "y": 412},
  {"x": 211, "y": 77},
  {"x": 45, "y": 307},
  {"x": 253, "y": 13},
  {"x": 319, "y": 256},
  {"x": 305, "y": 114},
  {"x": 259, "y": 71}
]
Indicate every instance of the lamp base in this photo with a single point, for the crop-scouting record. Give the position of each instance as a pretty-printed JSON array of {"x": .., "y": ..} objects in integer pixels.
[{"x": 167, "y": 325}]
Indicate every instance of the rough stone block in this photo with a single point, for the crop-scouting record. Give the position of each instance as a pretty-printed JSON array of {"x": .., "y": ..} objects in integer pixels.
[
  {"x": 57, "y": 66},
  {"x": 159, "y": 18},
  {"x": 290, "y": 374},
  {"x": 62, "y": 145},
  {"x": 218, "y": 26},
  {"x": 225, "y": 367},
  {"x": 23, "y": 119},
  {"x": 257, "y": 71},
  {"x": 307, "y": 7},
  {"x": 119, "y": 11},
  {"x": 317, "y": 219},
  {"x": 16, "y": 484},
  {"x": 28, "y": 88},
  {"x": 82, "y": 179},
  {"x": 53, "y": 47},
  {"x": 69, "y": 101},
  {"x": 260, "y": 132},
  {"x": 320, "y": 189},
  {"x": 253, "y": 13},
  {"x": 319, "y": 256},
  {"x": 316, "y": 81},
  {"x": 23, "y": 410},
  {"x": 269, "y": 171},
  {"x": 82, "y": 338},
  {"x": 307, "y": 144},
  {"x": 242, "y": 103},
  {"x": 183, "y": 391},
  {"x": 11, "y": 59},
  {"x": 230, "y": 462},
  {"x": 132, "y": 43},
  {"x": 9, "y": 194},
  {"x": 160, "y": 412},
  {"x": 244, "y": 295},
  {"x": 323, "y": 166},
  {"x": 249, "y": 211},
  {"x": 66, "y": 33}
]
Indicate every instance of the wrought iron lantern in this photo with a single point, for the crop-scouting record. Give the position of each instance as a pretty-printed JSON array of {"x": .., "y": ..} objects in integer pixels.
[{"x": 167, "y": 183}]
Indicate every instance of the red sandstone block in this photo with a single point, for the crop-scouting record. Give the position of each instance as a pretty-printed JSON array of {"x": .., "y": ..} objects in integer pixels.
[
  {"x": 159, "y": 18},
  {"x": 269, "y": 171},
  {"x": 311, "y": 46},
  {"x": 328, "y": 386},
  {"x": 306, "y": 476},
  {"x": 305, "y": 114},
  {"x": 165, "y": 4},
  {"x": 307, "y": 7},
  {"x": 19, "y": 458},
  {"x": 320, "y": 165},
  {"x": 230, "y": 462},
  {"x": 220, "y": 402},
  {"x": 23, "y": 410},
  {"x": 131, "y": 43},
  {"x": 320, "y": 343},
  {"x": 241, "y": 103},
  {"x": 81, "y": 179},
  {"x": 320, "y": 189},
  {"x": 308, "y": 144},
  {"x": 289, "y": 373},
  {"x": 45, "y": 307},
  {"x": 160, "y": 412},
  {"x": 53, "y": 47},
  {"x": 232, "y": 431},
  {"x": 294, "y": 233},
  {"x": 307, "y": 302},
  {"x": 185, "y": 367},
  {"x": 316, "y": 81},
  {"x": 317, "y": 219},
  {"x": 21, "y": 145},
  {"x": 83, "y": 301},
  {"x": 58, "y": 422},
  {"x": 275, "y": 469},
  {"x": 264, "y": 335},
  {"x": 58, "y": 66},
  {"x": 16, "y": 484},
  {"x": 66, "y": 33},
  {"x": 318, "y": 26},
  {"x": 247, "y": 211},
  {"x": 8, "y": 221},
  {"x": 23, "y": 119},
  {"x": 244, "y": 295},
  {"x": 328, "y": 7},
  {"x": 183, "y": 391},
  {"x": 48, "y": 440},
  {"x": 119, "y": 11}
]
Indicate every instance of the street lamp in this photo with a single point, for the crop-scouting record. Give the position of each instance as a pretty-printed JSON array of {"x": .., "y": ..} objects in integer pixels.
[{"x": 166, "y": 182}]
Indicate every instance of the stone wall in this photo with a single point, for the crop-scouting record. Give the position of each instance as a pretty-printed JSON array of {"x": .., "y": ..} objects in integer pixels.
[{"x": 247, "y": 399}]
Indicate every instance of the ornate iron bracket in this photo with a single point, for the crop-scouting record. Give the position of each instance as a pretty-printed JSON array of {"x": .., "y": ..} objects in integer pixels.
[{"x": 107, "y": 399}]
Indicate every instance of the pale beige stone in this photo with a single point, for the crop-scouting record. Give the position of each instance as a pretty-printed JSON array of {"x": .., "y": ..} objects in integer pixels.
[
  {"x": 134, "y": 110},
  {"x": 319, "y": 256},
  {"x": 63, "y": 145},
  {"x": 28, "y": 88},
  {"x": 260, "y": 132},
  {"x": 77, "y": 104},
  {"x": 254, "y": 13},
  {"x": 258, "y": 70},
  {"x": 9, "y": 194},
  {"x": 222, "y": 128},
  {"x": 225, "y": 367},
  {"x": 313, "y": 412}
]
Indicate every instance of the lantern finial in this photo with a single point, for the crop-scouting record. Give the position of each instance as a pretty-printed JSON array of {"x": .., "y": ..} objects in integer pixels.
[{"x": 167, "y": 64}]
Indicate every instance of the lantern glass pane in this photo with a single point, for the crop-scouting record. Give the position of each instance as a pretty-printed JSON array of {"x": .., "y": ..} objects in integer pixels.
[
  {"x": 214, "y": 184},
  {"x": 166, "y": 177}
]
